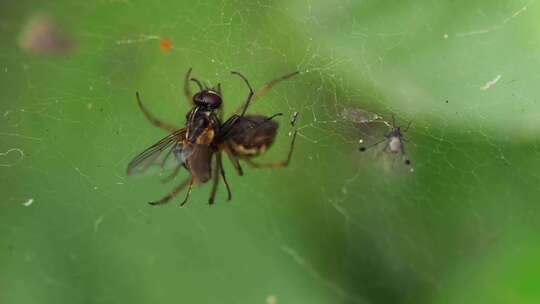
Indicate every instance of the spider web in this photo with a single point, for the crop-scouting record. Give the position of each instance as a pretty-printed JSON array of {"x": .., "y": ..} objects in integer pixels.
[{"x": 337, "y": 225}]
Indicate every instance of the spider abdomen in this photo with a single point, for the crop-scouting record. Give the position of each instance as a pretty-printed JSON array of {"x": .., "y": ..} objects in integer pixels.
[{"x": 253, "y": 135}]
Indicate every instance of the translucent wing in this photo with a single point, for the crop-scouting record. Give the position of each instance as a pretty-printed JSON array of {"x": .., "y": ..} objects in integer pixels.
[
  {"x": 359, "y": 115},
  {"x": 165, "y": 154}
]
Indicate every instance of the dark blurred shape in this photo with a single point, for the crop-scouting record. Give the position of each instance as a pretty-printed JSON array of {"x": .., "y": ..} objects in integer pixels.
[{"x": 42, "y": 36}]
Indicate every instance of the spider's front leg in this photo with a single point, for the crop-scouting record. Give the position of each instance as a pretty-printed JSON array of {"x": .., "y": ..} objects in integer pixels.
[{"x": 155, "y": 121}]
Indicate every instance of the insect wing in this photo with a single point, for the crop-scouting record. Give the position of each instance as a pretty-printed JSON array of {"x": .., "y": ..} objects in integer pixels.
[
  {"x": 161, "y": 156},
  {"x": 359, "y": 115},
  {"x": 184, "y": 153}
]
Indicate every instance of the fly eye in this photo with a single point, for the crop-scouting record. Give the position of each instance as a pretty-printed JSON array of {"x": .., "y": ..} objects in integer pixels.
[
  {"x": 208, "y": 99},
  {"x": 198, "y": 98},
  {"x": 212, "y": 99}
]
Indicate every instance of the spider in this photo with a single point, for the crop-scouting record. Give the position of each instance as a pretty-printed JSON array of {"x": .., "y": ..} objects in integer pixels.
[
  {"x": 394, "y": 140},
  {"x": 205, "y": 137}
]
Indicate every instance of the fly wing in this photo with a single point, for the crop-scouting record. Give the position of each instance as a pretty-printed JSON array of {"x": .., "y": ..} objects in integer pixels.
[{"x": 161, "y": 156}]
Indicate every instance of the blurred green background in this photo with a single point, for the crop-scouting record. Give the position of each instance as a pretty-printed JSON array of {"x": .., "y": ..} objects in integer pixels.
[{"x": 337, "y": 226}]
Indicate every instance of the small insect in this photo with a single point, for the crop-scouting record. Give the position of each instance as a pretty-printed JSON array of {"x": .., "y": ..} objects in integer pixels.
[
  {"x": 394, "y": 140},
  {"x": 359, "y": 115},
  {"x": 205, "y": 137}
]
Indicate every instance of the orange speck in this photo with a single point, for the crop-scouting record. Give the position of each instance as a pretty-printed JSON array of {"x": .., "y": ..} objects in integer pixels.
[{"x": 166, "y": 44}]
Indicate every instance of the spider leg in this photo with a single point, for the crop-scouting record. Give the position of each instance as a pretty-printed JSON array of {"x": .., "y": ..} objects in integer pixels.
[
  {"x": 215, "y": 183},
  {"x": 267, "y": 87},
  {"x": 272, "y": 117},
  {"x": 408, "y": 126},
  {"x": 187, "y": 90},
  {"x": 226, "y": 127},
  {"x": 221, "y": 110},
  {"x": 220, "y": 165},
  {"x": 234, "y": 160},
  {"x": 188, "y": 193},
  {"x": 362, "y": 149},
  {"x": 172, "y": 194},
  {"x": 250, "y": 95},
  {"x": 156, "y": 122},
  {"x": 278, "y": 164},
  {"x": 199, "y": 84},
  {"x": 293, "y": 119}
]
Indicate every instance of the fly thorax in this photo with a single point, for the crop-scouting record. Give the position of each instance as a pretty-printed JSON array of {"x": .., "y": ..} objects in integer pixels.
[
  {"x": 198, "y": 126},
  {"x": 207, "y": 136}
]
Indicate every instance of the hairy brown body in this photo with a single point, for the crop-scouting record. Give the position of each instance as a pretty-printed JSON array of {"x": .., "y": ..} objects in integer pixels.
[{"x": 253, "y": 135}]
